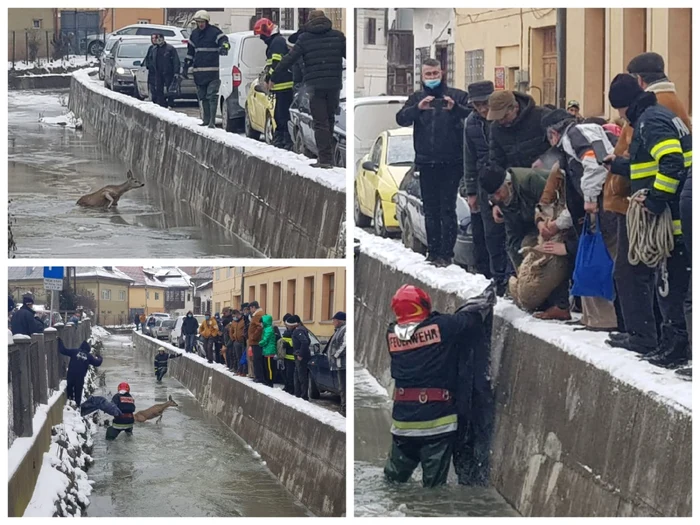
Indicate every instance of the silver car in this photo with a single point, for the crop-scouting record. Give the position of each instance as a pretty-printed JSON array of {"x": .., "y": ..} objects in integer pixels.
[
  {"x": 162, "y": 329},
  {"x": 188, "y": 89},
  {"x": 121, "y": 64}
]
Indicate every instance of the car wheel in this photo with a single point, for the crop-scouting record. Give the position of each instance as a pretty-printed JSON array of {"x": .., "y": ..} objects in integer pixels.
[
  {"x": 298, "y": 141},
  {"x": 225, "y": 122},
  {"x": 361, "y": 221},
  {"x": 249, "y": 131},
  {"x": 378, "y": 219},
  {"x": 314, "y": 392},
  {"x": 338, "y": 157},
  {"x": 269, "y": 133},
  {"x": 408, "y": 237},
  {"x": 95, "y": 48},
  {"x": 137, "y": 91},
  {"x": 101, "y": 74}
]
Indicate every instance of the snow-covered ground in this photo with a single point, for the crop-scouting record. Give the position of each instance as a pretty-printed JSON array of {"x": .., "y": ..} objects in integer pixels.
[
  {"x": 99, "y": 333},
  {"x": 292, "y": 162},
  {"x": 68, "y": 120},
  {"x": 321, "y": 414},
  {"x": 587, "y": 346},
  {"x": 66, "y": 63}
]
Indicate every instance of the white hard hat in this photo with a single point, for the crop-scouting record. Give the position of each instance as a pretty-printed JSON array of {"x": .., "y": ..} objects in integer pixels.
[{"x": 201, "y": 15}]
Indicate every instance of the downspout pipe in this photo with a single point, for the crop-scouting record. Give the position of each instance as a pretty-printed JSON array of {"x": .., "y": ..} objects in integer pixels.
[{"x": 561, "y": 57}]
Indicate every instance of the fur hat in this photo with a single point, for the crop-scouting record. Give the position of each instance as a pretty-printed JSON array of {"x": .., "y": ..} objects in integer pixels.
[{"x": 623, "y": 90}]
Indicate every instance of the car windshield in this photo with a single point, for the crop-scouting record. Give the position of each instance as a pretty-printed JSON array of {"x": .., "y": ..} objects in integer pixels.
[
  {"x": 400, "y": 150},
  {"x": 133, "y": 50}
]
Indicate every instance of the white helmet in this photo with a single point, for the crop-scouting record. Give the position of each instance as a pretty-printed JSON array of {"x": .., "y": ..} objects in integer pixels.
[{"x": 201, "y": 15}]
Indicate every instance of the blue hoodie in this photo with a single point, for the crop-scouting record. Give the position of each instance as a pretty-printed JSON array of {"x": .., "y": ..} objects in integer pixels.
[{"x": 80, "y": 359}]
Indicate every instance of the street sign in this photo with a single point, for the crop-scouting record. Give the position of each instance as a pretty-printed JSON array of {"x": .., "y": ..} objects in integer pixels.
[{"x": 53, "y": 278}]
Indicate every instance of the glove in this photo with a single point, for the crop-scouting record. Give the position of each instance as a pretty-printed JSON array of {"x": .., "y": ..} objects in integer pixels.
[
  {"x": 223, "y": 51},
  {"x": 655, "y": 206},
  {"x": 482, "y": 304}
]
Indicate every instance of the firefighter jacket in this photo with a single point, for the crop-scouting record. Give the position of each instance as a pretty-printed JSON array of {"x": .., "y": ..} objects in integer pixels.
[
  {"x": 288, "y": 344},
  {"x": 203, "y": 50},
  {"x": 276, "y": 49},
  {"x": 127, "y": 405},
  {"x": 426, "y": 357},
  {"x": 660, "y": 155}
]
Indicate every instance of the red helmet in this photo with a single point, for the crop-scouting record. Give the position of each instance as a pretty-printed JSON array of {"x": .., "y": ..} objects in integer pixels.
[
  {"x": 264, "y": 27},
  {"x": 411, "y": 304},
  {"x": 123, "y": 386}
]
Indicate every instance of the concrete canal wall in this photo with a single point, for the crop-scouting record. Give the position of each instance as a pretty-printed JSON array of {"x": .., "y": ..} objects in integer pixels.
[
  {"x": 577, "y": 433},
  {"x": 306, "y": 453},
  {"x": 269, "y": 198}
]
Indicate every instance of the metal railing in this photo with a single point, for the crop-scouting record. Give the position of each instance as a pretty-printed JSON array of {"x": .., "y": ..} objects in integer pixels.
[
  {"x": 35, "y": 370},
  {"x": 41, "y": 47}
]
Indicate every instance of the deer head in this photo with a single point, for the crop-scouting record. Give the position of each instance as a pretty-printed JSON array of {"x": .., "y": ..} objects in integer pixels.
[
  {"x": 171, "y": 403},
  {"x": 133, "y": 182}
]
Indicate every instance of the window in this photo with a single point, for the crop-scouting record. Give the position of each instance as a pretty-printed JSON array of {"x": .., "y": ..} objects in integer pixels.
[
  {"x": 287, "y": 18},
  {"x": 328, "y": 292},
  {"x": 189, "y": 296},
  {"x": 370, "y": 31},
  {"x": 106, "y": 294},
  {"x": 122, "y": 295},
  {"x": 217, "y": 306},
  {"x": 272, "y": 14},
  {"x": 217, "y": 274},
  {"x": 291, "y": 296},
  {"x": 251, "y": 294},
  {"x": 228, "y": 272},
  {"x": 276, "y": 300},
  {"x": 309, "y": 299},
  {"x": 36, "y": 23},
  {"x": 127, "y": 31},
  {"x": 182, "y": 295},
  {"x": 237, "y": 302},
  {"x": 474, "y": 66},
  {"x": 304, "y": 17},
  {"x": 376, "y": 155},
  {"x": 263, "y": 297},
  {"x": 157, "y": 296}
]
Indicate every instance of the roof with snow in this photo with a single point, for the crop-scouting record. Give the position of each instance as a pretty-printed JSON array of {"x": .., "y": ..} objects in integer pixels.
[
  {"x": 170, "y": 277},
  {"x": 25, "y": 273},
  {"x": 141, "y": 278},
  {"x": 207, "y": 284},
  {"x": 101, "y": 272}
]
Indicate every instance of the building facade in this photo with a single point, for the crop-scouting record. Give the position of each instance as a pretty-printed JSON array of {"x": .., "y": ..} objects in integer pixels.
[
  {"x": 227, "y": 288},
  {"x": 28, "y": 30},
  {"x": 370, "y": 52},
  {"x": 146, "y": 294}
]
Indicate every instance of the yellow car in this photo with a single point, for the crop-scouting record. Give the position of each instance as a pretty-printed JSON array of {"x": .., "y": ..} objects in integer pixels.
[
  {"x": 377, "y": 179},
  {"x": 259, "y": 112}
]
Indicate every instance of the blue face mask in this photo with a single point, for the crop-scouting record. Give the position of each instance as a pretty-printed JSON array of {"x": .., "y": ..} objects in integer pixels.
[{"x": 433, "y": 83}]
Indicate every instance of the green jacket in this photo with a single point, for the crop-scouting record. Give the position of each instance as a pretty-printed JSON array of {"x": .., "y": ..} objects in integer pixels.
[
  {"x": 268, "y": 341},
  {"x": 519, "y": 216}
]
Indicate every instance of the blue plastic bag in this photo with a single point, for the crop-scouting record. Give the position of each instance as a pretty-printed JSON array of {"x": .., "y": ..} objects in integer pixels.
[
  {"x": 593, "y": 273},
  {"x": 244, "y": 359}
]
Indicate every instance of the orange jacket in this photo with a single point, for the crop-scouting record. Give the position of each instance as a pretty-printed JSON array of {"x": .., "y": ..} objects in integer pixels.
[
  {"x": 255, "y": 329},
  {"x": 235, "y": 331},
  {"x": 617, "y": 188},
  {"x": 209, "y": 328}
]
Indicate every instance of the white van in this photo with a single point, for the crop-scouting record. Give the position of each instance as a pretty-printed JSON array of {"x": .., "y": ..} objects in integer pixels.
[
  {"x": 372, "y": 116},
  {"x": 237, "y": 70},
  {"x": 175, "y": 337}
]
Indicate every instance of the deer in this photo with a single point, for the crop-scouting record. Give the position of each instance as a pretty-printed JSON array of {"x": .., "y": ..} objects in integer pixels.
[
  {"x": 155, "y": 411},
  {"x": 109, "y": 195}
]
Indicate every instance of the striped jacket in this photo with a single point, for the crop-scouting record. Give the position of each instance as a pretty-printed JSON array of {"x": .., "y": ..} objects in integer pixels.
[
  {"x": 203, "y": 53},
  {"x": 276, "y": 49}
]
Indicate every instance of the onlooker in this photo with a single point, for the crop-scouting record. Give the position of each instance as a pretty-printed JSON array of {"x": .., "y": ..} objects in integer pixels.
[
  {"x": 573, "y": 108},
  {"x": 255, "y": 333},
  {"x": 335, "y": 350},
  {"x": 437, "y": 114},
  {"x": 80, "y": 360},
  {"x": 301, "y": 344},
  {"x": 142, "y": 318},
  {"x": 205, "y": 45},
  {"x": 237, "y": 338},
  {"x": 489, "y": 237},
  {"x": 289, "y": 359},
  {"x": 323, "y": 51},
  {"x": 268, "y": 343},
  {"x": 74, "y": 318},
  {"x": 150, "y": 324},
  {"x": 189, "y": 331},
  {"x": 209, "y": 330},
  {"x": 25, "y": 321},
  {"x": 163, "y": 65},
  {"x": 150, "y": 65},
  {"x": 219, "y": 341},
  {"x": 137, "y": 321},
  {"x": 686, "y": 209}
]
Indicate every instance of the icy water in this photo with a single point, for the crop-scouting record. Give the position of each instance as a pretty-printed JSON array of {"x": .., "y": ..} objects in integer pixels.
[
  {"x": 190, "y": 464},
  {"x": 375, "y": 497},
  {"x": 51, "y": 167}
]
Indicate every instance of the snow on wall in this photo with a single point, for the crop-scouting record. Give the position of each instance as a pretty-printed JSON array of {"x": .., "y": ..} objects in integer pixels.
[
  {"x": 319, "y": 413},
  {"x": 292, "y": 162},
  {"x": 69, "y": 62},
  {"x": 589, "y": 347}
]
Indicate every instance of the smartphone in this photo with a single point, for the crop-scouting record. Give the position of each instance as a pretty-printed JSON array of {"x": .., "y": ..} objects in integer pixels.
[{"x": 438, "y": 103}]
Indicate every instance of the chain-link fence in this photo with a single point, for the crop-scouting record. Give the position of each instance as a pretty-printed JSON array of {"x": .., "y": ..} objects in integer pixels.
[{"x": 42, "y": 47}]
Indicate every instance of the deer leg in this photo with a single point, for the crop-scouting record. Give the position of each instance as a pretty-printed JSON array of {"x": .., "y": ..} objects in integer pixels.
[
  {"x": 109, "y": 198},
  {"x": 159, "y": 418}
]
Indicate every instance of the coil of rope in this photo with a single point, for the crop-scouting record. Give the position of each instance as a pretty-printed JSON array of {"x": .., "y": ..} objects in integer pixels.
[{"x": 650, "y": 237}]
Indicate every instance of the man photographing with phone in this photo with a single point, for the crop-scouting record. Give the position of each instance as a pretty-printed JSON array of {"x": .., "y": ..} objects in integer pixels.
[{"x": 437, "y": 114}]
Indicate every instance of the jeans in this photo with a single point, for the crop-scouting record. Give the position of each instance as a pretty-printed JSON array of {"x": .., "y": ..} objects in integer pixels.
[
  {"x": 238, "y": 350},
  {"x": 323, "y": 106},
  {"x": 495, "y": 237},
  {"x": 162, "y": 83},
  {"x": 439, "y": 186},
  {"x": 341, "y": 380},
  {"x": 190, "y": 340},
  {"x": 209, "y": 349}
]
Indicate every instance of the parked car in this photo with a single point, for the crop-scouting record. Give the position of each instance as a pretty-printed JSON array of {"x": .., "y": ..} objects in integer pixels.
[
  {"x": 238, "y": 70},
  {"x": 321, "y": 377},
  {"x": 409, "y": 211},
  {"x": 121, "y": 65},
  {"x": 161, "y": 315},
  {"x": 110, "y": 44},
  {"x": 378, "y": 177},
  {"x": 96, "y": 43},
  {"x": 176, "y": 337},
  {"x": 301, "y": 127},
  {"x": 188, "y": 89},
  {"x": 162, "y": 328},
  {"x": 259, "y": 112},
  {"x": 372, "y": 115}
]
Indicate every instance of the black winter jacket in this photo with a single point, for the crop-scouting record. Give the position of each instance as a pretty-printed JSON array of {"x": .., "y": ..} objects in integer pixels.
[
  {"x": 301, "y": 342},
  {"x": 166, "y": 61},
  {"x": 161, "y": 360},
  {"x": 80, "y": 359},
  {"x": 323, "y": 50},
  {"x": 190, "y": 326},
  {"x": 24, "y": 322},
  {"x": 476, "y": 151},
  {"x": 127, "y": 405},
  {"x": 203, "y": 53},
  {"x": 520, "y": 144},
  {"x": 437, "y": 133}
]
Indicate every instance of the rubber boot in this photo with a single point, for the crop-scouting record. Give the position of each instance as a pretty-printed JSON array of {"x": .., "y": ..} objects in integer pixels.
[
  {"x": 206, "y": 112},
  {"x": 435, "y": 458},
  {"x": 212, "y": 113}
]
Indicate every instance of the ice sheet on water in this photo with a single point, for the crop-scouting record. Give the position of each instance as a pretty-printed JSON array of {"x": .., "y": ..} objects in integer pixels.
[
  {"x": 99, "y": 332},
  {"x": 295, "y": 163},
  {"x": 68, "y": 120},
  {"x": 660, "y": 384}
]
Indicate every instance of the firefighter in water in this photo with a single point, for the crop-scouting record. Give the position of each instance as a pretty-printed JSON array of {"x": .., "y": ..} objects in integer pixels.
[
  {"x": 425, "y": 348},
  {"x": 127, "y": 405},
  {"x": 283, "y": 89},
  {"x": 160, "y": 363}
]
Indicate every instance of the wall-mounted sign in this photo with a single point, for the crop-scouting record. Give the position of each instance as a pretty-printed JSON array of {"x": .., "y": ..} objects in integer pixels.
[{"x": 499, "y": 77}]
